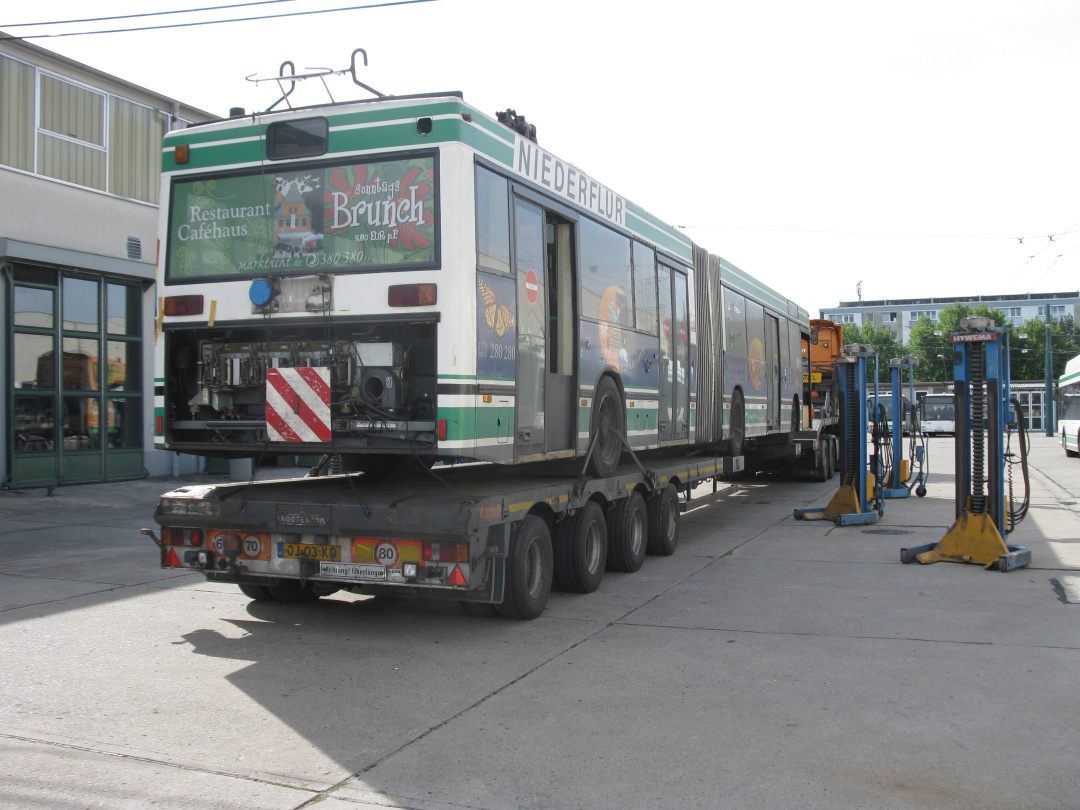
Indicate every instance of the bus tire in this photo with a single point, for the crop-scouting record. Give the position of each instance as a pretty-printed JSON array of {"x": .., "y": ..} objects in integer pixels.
[
  {"x": 293, "y": 591},
  {"x": 1071, "y": 453},
  {"x": 260, "y": 593},
  {"x": 738, "y": 423},
  {"x": 581, "y": 550},
  {"x": 528, "y": 571},
  {"x": 663, "y": 509},
  {"x": 607, "y": 429},
  {"x": 628, "y": 534}
]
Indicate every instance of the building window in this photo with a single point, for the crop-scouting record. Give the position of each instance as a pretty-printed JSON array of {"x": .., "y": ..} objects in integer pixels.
[
  {"x": 58, "y": 128},
  {"x": 888, "y": 317},
  {"x": 1057, "y": 313},
  {"x": 1013, "y": 312},
  {"x": 76, "y": 378},
  {"x": 847, "y": 317},
  {"x": 929, "y": 314}
]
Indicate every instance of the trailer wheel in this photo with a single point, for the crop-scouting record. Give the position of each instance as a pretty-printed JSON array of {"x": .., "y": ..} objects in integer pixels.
[
  {"x": 528, "y": 571},
  {"x": 608, "y": 428},
  {"x": 260, "y": 593},
  {"x": 291, "y": 590},
  {"x": 628, "y": 534},
  {"x": 664, "y": 521},
  {"x": 830, "y": 451},
  {"x": 738, "y": 423},
  {"x": 581, "y": 550}
]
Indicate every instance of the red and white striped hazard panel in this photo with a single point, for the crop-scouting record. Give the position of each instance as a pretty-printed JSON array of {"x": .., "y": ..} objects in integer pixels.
[{"x": 298, "y": 404}]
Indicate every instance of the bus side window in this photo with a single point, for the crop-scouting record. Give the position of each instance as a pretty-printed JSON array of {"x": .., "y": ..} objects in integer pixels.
[
  {"x": 645, "y": 288},
  {"x": 492, "y": 221}
]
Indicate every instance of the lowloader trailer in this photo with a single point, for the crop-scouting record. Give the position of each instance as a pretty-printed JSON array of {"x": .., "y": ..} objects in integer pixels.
[{"x": 495, "y": 539}]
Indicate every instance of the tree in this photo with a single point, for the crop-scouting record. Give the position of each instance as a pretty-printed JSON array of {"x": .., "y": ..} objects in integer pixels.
[
  {"x": 1028, "y": 344},
  {"x": 884, "y": 343}
]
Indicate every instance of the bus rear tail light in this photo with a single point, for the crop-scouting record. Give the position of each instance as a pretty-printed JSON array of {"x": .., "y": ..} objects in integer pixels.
[
  {"x": 412, "y": 295},
  {"x": 442, "y": 430},
  {"x": 183, "y": 305}
]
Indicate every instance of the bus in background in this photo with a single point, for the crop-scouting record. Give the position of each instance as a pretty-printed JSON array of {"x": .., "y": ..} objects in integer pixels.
[
  {"x": 1068, "y": 408},
  {"x": 937, "y": 414},
  {"x": 408, "y": 276},
  {"x": 880, "y": 408}
]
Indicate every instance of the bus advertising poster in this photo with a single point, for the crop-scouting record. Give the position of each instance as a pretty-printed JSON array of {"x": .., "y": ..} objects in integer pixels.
[{"x": 373, "y": 215}]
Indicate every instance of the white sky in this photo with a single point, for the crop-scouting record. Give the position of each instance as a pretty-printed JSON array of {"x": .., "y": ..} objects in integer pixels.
[{"x": 814, "y": 144}]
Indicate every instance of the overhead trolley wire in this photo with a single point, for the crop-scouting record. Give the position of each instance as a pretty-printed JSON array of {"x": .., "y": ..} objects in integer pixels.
[{"x": 217, "y": 22}]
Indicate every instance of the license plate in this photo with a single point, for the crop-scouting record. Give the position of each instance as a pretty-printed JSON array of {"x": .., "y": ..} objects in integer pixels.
[
  {"x": 309, "y": 551},
  {"x": 352, "y": 571}
]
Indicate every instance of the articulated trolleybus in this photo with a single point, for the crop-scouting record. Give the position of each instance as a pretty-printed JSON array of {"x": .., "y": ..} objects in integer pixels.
[{"x": 407, "y": 276}]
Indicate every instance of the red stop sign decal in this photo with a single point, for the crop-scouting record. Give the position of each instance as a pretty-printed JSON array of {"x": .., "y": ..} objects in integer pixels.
[{"x": 532, "y": 287}]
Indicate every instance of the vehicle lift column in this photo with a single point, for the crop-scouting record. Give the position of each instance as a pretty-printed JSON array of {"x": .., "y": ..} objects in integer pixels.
[
  {"x": 981, "y": 389},
  {"x": 854, "y": 502},
  {"x": 894, "y": 487}
]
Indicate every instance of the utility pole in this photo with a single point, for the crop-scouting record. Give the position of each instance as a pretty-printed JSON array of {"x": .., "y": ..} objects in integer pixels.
[{"x": 1048, "y": 395}]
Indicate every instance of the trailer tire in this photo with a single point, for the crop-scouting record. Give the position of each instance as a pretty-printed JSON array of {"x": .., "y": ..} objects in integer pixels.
[
  {"x": 260, "y": 593},
  {"x": 607, "y": 428},
  {"x": 664, "y": 521},
  {"x": 628, "y": 534},
  {"x": 528, "y": 571},
  {"x": 830, "y": 460},
  {"x": 292, "y": 591},
  {"x": 581, "y": 548}
]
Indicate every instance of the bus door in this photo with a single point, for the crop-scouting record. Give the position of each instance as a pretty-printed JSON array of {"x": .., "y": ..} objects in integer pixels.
[
  {"x": 772, "y": 359},
  {"x": 673, "y": 302},
  {"x": 543, "y": 253}
]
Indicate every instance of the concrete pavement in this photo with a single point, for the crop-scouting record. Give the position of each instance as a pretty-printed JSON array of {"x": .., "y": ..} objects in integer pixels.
[{"x": 770, "y": 663}]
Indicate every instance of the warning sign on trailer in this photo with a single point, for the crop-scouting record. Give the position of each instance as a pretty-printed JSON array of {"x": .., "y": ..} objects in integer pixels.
[{"x": 298, "y": 404}]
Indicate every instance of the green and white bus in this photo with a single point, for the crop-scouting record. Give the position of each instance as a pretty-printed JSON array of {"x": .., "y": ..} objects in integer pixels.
[
  {"x": 407, "y": 276},
  {"x": 1068, "y": 407}
]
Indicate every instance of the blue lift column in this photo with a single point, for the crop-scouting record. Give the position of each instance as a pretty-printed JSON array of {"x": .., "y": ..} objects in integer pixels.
[
  {"x": 859, "y": 493},
  {"x": 981, "y": 389},
  {"x": 894, "y": 487}
]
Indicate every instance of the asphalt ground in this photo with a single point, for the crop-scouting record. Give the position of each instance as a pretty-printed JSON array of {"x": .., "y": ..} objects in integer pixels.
[{"x": 769, "y": 663}]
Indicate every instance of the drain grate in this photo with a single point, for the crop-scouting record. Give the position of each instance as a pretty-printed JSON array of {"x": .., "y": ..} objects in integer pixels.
[{"x": 890, "y": 532}]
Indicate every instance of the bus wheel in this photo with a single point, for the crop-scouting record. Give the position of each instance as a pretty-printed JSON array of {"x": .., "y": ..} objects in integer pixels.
[
  {"x": 1068, "y": 452},
  {"x": 291, "y": 590},
  {"x": 627, "y": 534},
  {"x": 581, "y": 550},
  {"x": 830, "y": 449},
  {"x": 738, "y": 423},
  {"x": 664, "y": 521},
  {"x": 796, "y": 416},
  {"x": 528, "y": 571},
  {"x": 608, "y": 428},
  {"x": 260, "y": 593}
]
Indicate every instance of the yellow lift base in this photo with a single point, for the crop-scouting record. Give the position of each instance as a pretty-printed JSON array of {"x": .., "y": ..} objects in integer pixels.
[
  {"x": 973, "y": 538},
  {"x": 844, "y": 509}
]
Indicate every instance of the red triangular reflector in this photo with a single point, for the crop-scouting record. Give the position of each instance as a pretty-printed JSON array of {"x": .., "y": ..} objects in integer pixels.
[
  {"x": 171, "y": 560},
  {"x": 456, "y": 577}
]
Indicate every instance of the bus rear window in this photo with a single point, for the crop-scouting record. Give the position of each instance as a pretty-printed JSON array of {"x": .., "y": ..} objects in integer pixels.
[{"x": 297, "y": 139}]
